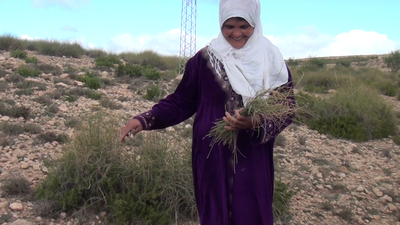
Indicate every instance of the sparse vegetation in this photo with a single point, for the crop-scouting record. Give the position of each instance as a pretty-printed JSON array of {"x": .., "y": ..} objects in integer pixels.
[
  {"x": 152, "y": 93},
  {"x": 148, "y": 181},
  {"x": 32, "y": 60},
  {"x": 393, "y": 61},
  {"x": 19, "y": 54},
  {"x": 16, "y": 185},
  {"x": 27, "y": 71},
  {"x": 91, "y": 81}
]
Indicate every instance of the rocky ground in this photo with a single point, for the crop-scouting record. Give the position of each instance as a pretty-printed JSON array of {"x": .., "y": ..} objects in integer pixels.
[{"x": 337, "y": 181}]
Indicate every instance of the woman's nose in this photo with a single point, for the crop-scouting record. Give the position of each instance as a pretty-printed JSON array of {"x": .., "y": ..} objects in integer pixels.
[{"x": 237, "y": 33}]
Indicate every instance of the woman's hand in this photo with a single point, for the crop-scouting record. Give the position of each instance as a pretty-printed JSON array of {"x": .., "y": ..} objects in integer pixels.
[
  {"x": 237, "y": 121},
  {"x": 133, "y": 126}
]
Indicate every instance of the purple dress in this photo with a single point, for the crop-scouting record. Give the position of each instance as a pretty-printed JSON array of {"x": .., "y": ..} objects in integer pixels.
[{"x": 222, "y": 196}]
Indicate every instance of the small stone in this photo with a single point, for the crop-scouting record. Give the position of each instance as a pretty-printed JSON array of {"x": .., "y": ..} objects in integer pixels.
[
  {"x": 3, "y": 205},
  {"x": 103, "y": 214},
  {"x": 170, "y": 129},
  {"x": 64, "y": 76},
  {"x": 32, "y": 156},
  {"x": 104, "y": 74},
  {"x": 386, "y": 198},
  {"x": 344, "y": 169},
  {"x": 5, "y": 118},
  {"x": 16, "y": 206},
  {"x": 36, "y": 166},
  {"x": 63, "y": 215},
  {"x": 320, "y": 187},
  {"x": 377, "y": 192},
  {"x": 187, "y": 126},
  {"x": 360, "y": 189},
  {"x": 63, "y": 108},
  {"x": 319, "y": 175},
  {"x": 48, "y": 145},
  {"x": 392, "y": 207},
  {"x": 21, "y": 222},
  {"x": 25, "y": 165},
  {"x": 44, "y": 169}
]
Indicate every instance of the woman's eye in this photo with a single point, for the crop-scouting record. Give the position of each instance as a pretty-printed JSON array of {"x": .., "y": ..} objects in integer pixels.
[
  {"x": 244, "y": 27},
  {"x": 228, "y": 27}
]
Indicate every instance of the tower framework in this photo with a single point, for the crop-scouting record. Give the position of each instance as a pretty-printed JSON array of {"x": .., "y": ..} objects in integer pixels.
[{"x": 188, "y": 32}]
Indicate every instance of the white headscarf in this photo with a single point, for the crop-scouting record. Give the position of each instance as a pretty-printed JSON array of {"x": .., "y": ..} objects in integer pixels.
[{"x": 258, "y": 65}]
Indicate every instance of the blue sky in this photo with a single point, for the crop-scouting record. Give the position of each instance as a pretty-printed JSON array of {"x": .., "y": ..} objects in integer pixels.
[{"x": 300, "y": 28}]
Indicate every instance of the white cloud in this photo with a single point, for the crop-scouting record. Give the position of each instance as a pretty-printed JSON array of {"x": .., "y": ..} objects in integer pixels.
[
  {"x": 27, "y": 37},
  {"x": 68, "y": 4},
  {"x": 359, "y": 42},
  {"x": 167, "y": 43},
  {"x": 309, "y": 42}
]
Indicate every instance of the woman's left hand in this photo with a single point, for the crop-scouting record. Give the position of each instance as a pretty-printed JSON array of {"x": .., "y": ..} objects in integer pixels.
[{"x": 237, "y": 121}]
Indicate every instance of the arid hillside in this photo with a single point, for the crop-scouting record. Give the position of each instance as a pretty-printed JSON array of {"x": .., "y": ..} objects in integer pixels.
[{"x": 337, "y": 181}]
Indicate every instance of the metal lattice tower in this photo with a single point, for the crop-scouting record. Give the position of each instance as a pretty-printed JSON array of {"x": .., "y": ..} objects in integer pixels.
[{"x": 188, "y": 32}]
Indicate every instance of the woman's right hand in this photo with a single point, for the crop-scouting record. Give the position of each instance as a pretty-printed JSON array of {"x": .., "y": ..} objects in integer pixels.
[{"x": 133, "y": 126}]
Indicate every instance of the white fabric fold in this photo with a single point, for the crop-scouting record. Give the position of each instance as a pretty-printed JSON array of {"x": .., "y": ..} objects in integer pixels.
[{"x": 259, "y": 64}]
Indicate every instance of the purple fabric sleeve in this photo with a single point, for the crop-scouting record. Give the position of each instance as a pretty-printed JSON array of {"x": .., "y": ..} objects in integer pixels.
[
  {"x": 176, "y": 107},
  {"x": 271, "y": 128}
]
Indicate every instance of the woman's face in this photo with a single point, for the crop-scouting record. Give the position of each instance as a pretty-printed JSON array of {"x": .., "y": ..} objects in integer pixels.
[{"x": 237, "y": 32}]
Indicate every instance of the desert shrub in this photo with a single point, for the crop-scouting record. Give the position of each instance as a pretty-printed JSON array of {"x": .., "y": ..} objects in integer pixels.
[
  {"x": 72, "y": 122},
  {"x": 24, "y": 91},
  {"x": 73, "y": 94},
  {"x": 12, "y": 128},
  {"x": 16, "y": 185},
  {"x": 15, "y": 111},
  {"x": 5, "y": 140},
  {"x": 27, "y": 71},
  {"x": 3, "y": 73},
  {"x": 291, "y": 62},
  {"x": 31, "y": 84},
  {"x": 57, "y": 48},
  {"x": 313, "y": 64},
  {"x": 354, "y": 112},
  {"x": 344, "y": 62},
  {"x": 32, "y": 60},
  {"x": 152, "y": 59},
  {"x": 9, "y": 43},
  {"x": 109, "y": 104},
  {"x": 14, "y": 78},
  {"x": 96, "y": 169},
  {"x": 393, "y": 60},
  {"x": 51, "y": 136},
  {"x": 49, "y": 69},
  {"x": 15, "y": 129},
  {"x": 43, "y": 99},
  {"x": 96, "y": 53},
  {"x": 19, "y": 54},
  {"x": 108, "y": 82},
  {"x": 130, "y": 70},
  {"x": 107, "y": 61},
  {"x": 91, "y": 81},
  {"x": 32, "y": 128},
  {"x": 52, "y": 109},
  {"x": 152, "y": 92},
  {"x": 151, "y": 73},
  {"x": 3, "y": 86},
  {"x": 324, "y": 79},
  {"x": 47, "y": 208},
  {"x": 282, "y": 197},
  {"x": 396, "y": 139}
]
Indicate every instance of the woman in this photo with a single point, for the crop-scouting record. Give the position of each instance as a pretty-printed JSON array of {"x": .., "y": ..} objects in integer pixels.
[{"x": 218, "y": 81}]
